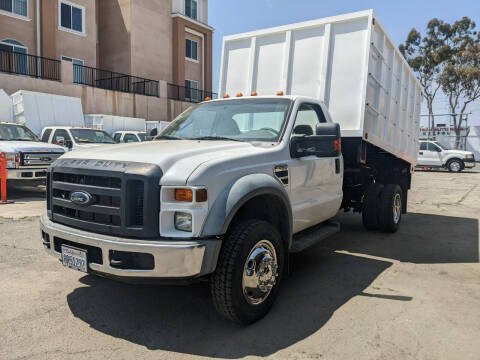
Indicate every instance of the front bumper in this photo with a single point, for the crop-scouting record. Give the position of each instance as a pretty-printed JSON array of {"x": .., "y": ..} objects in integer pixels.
[
  {"x": 469, "y": 163},
  {"x": 172, "y": 259},
  {"x": 26, "y": 174}
]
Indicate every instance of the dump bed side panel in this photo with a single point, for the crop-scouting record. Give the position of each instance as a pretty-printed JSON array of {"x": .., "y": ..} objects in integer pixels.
[
  {"x": 347, "y": 61},
  {"x": 393, "y": 99}
]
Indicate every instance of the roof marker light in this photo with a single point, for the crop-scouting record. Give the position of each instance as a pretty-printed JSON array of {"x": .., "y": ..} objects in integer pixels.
[
  {"x": 226, "y": 96},
  {"x": 280, "y": 93},
  {"x": 208, "y": 98},
  {"x": 239, "y": 94},
  {"x": 254, "y": 93}
]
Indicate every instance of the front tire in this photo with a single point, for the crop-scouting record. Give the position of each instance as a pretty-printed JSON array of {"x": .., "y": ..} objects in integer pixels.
[
  {"x": 455, "y": 165},
  {"x": 249, "y": 270}
]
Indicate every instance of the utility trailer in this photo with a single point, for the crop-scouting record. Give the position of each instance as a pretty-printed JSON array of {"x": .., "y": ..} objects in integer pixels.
[{"x": 350, "y": 63}]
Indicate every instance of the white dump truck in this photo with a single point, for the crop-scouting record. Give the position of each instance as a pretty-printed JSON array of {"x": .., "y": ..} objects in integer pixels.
[{"x": 314, "y": 117}]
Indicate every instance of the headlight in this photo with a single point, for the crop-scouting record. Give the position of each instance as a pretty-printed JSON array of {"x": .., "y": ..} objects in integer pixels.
[
  {"x": 469, "y": 156},
  {"x": 183, "y": 221},
  {"x": 13, "y": 160}
]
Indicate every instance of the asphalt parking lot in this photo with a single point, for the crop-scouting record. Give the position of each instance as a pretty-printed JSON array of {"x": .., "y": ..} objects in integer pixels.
[{"x": 360, "y": 295}]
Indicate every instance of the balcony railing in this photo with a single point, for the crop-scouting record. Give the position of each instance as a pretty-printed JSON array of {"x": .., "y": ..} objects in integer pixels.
[
  {"x": 29, "y": 65},
  {"x": 182, "y": 93},
  {"x": 109, "y": 80}
]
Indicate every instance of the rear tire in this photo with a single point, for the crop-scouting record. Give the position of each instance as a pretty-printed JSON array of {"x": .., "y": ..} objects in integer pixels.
[
  {"x": 370, "y": 211},
  {"x": 248, "y": 254},
  {"x": 455, "y": 165},
  {"x": 391, "y": 206}
]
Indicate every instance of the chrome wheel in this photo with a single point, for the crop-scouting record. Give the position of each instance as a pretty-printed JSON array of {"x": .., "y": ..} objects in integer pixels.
[
  {"x": 455, "y": 166},
  {"x": 397, "y": 208},
  {"x": 260, "y": 272}
]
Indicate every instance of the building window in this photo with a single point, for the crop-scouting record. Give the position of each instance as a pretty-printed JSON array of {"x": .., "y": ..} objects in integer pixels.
[
  {"x": 13, "y": 56},
  {"x": 191, "y": 7},
  {"x": 78, "y": 69},
  {"x": 72, "y": 17},
  {"x": 191, "y": 90},
  {"x": 19, "y": 7},
  {"x": 191, "y": 49}
]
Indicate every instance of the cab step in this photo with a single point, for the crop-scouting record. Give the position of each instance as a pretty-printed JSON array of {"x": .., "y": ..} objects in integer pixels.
[{"x": 314, "y": 235}]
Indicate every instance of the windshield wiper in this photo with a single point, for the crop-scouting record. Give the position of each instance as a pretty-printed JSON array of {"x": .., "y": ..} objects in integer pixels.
[
  {"x": 215, "y": 138},
  {"x": 168, "y": 137}
]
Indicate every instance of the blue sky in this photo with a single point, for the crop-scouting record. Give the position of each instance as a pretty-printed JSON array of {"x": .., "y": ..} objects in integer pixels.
[{"x": 231, "y": 17}]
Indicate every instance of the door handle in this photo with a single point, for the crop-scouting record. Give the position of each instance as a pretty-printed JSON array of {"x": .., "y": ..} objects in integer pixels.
[{"x": 420, "y": 153}]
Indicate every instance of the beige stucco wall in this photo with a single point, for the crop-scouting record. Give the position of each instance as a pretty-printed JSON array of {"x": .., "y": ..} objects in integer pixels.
[
  {"x": 114, "y": 26},
  {"x": 20, "y": 29},
  {"x": 152, "y": 39},
  {"x": 79, "y": 46},
  {"x": 99, "y": 101}
]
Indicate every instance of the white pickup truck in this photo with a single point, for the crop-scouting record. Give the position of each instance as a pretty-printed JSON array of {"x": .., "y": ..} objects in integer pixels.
[
  {"x": 233, "y": 186},
  {"x": 75, "y": 138},
  {"x": 433, "y": 154},
  {"x": 27, "y": 158}
]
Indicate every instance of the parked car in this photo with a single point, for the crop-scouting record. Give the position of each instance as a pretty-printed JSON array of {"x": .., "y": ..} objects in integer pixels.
[
  {"x": 129, "y": 136},
  {"x": 433, "y": 154},
  {"x": 27, "y": 157},
  {"x": 233, "y": 186},
  {"x": 74, "y": 138}
]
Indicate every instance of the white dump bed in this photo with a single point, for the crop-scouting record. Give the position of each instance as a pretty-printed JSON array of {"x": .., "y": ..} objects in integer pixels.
[
  {"x": 348, "y": 61},
  {"x": 112, "y": 123},
  {"x": 37, "y": 110}
]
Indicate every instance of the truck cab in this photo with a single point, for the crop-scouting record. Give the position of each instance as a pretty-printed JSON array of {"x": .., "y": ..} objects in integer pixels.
[
  {"x": 27, "y": 158},
  {"x": 75, "y": 138},
  {"x": 129, "y": 136},
  {"x": 433, "y": 154}
]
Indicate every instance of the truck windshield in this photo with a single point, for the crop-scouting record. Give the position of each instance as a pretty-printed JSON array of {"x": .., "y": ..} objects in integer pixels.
[
  {"x": 12, "y": 132},
  {"x": 91, "y": 136},
  {"x": 239, "y": 120},
  {"x": 444, "y": 147}
]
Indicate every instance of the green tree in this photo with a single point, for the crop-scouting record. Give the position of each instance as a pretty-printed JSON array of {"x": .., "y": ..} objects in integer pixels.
[
  {"x": 426, "y": 56},
  {"x": 460, "y": 78}
]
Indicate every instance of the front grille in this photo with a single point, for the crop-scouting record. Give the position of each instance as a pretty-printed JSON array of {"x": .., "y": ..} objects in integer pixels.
[
  {"x": 122, "y": 202},
  {"x": 37, "y": 159}
]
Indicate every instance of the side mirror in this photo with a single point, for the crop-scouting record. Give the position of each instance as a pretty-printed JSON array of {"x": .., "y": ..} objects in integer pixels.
[
  {"x": 325, "y": 143},
  {"x": 69, "y": 144},
  {"x": 60, "y": 140}
]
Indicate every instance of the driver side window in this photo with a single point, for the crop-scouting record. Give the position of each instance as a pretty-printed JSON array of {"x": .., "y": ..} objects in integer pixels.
[
  {"x": 59, "y": 134},
  {"x": 432, "y": 147},
  {"x": 308, "y": 117}
]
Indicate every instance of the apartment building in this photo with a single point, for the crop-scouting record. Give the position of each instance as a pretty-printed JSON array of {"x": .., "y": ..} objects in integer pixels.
[{"x": 166, "y": 40}]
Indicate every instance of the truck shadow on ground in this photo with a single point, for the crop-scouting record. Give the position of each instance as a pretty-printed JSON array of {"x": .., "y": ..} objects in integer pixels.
[{"x": 182, "y": 319}]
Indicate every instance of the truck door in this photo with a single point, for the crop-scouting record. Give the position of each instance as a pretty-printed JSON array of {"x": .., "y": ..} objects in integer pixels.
[
  {"x": 315, "y": 183},
  {"x": 430, "y": 154}
]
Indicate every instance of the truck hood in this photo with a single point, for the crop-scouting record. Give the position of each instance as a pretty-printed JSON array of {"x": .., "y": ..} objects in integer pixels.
[
  {"x": 177, "y": 158},
  {"x": 25, "y": 146}
]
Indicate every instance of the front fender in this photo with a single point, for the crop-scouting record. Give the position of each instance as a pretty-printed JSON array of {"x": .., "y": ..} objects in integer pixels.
[{"x": 236, "y": 194}]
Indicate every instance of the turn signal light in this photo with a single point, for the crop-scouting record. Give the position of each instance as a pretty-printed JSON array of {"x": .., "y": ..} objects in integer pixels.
[
  {"x": 280, "y": 93},
  {"x": 337, "y": 145},
  {"x": 226, "y": 96},
  {"x": 184, "y": 195}
]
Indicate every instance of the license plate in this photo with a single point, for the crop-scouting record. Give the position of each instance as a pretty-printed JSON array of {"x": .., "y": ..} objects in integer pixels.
[{"x": 74, "y": 258}]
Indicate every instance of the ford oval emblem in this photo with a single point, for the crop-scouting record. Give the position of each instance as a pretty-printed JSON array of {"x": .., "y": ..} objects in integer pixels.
[{"x": 81, "y": 198}]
